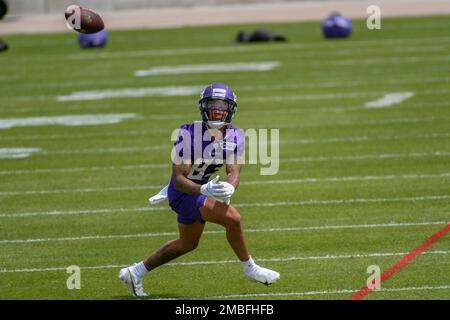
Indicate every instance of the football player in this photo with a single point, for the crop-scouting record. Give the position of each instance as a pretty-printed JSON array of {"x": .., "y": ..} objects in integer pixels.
[{"x": 194, "y": 198}]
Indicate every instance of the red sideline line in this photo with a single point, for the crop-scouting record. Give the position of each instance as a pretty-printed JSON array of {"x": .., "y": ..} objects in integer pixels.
[{"x": 407, "y": 259}]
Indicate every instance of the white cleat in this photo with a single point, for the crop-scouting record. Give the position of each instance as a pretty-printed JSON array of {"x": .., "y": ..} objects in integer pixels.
[
  {"x": 263, "y": 275},
  {"x": 133, "y": 283}
]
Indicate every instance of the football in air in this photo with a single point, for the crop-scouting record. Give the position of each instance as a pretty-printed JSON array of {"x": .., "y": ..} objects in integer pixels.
[{"x": 83, "y": 20}]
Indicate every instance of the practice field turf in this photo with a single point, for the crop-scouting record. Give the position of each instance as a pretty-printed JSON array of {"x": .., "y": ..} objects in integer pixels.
[{"x": 357, "y": 186}]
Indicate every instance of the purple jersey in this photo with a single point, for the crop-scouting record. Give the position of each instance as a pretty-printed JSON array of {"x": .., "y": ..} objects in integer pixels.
[
  {"x": 196, "y": 146},
  {"x": 207, "y": 155}
]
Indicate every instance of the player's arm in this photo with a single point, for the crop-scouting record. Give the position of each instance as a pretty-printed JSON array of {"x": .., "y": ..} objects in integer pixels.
[
  {"x": 211, "y": 189},
  {"x": 233, "y": 174},
  {"x": 235, "y": 159},
  {"x": 180, "y": 180}
]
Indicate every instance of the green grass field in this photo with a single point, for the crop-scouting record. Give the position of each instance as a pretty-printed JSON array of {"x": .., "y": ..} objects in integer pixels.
[{"x": 382, "y": 175}]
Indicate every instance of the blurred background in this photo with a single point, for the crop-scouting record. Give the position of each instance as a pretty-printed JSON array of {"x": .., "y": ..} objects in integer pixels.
[
  {"x": 55, "y": 6},
  {"x": 32, "y": 16}
]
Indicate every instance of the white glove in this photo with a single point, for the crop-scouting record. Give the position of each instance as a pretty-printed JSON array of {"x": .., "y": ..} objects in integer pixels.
[
  {"x": 159, "y": 197},
  {"x": 221, "y": 191},
  {"x": 228, "y": 191}
]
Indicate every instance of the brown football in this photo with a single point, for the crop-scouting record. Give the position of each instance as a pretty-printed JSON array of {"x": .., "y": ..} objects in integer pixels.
[{"x": 84, "y": 20}]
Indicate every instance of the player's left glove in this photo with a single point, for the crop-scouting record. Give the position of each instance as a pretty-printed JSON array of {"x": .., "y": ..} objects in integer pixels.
[
  {"x": 221, "y": 191},
  {"x": 227, "y": 191}
]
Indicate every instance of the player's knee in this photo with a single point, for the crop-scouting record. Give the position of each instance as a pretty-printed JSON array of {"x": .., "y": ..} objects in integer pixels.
[
  {"x": 233, "y": 218},
  {"x": 188, "y": 246},
  {"x": 193, "y": 246}
]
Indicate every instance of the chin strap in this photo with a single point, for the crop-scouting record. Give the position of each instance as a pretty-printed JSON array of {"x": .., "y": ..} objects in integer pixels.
[{"x": 215, "y": 124}]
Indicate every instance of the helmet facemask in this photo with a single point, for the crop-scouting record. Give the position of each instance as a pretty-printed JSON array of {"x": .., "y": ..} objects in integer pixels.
[{"x": 216, "y": 113}]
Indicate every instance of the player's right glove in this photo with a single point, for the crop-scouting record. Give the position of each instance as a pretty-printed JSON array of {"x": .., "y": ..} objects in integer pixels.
[{"x": 221, "y": 191}]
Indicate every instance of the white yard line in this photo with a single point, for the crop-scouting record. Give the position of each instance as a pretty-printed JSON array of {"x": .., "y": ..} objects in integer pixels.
[
  {"x": 344, "y": 84},
  {"x": 109, "y": 133},
  {"x": 287, "y": 160},
  {"x": 334, "y": 95},
  {"x": 220, "y": 262},
  {"x": 389, "y": 99},
  {"x": 172, "y": 91},
  {"x": 343, "y": 201},
  {"x": 251, "y": 88},
  {"x": 194, "y": 90},
  {"x": 132, "y": 93},
  {"x": 325, "y": 84},
  {"x": 167, "y": 146},
  {"x": 208, "y": 68},
  {"x": 237, "y": 49},
  {"x": 256, "y": 182},
  {"x": 343, "y": 109},
  {"x": 363, "y": 138},
  {"x": 313, "y": 293},
  {"x": 144, "y": 149},
  {"x": 346, "y": 179},
  {"x": 239, "y": 205},
  {"x": 68, "y": 120},
  {"x": 375, "y": 156},
  {"x": 87, "y": 211},
  {"x": 383, "y": 60},
  {"x": 109, "y": 150},
  {"x": 17, "y": 153},
  {"x": 290, "y": 229},
  {"x": 274, "y": 125},
  {"x": 128, "y": 150},
  {"x": 84, "y": 169},
  {"x": 404, "y": 120},
  {"x": 142, "y": 133},
  {"x": 82, "y": 190}
]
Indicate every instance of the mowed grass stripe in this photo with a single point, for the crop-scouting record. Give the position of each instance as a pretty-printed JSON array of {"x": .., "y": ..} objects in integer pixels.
[
  {"x": 285, "y": 127},
  {"x": 250, "y": 88},
  {"x": 219, "y": 262},
  {"x": 314, "y": 293},
  {"x": 239, "y": 205},
  {"x": 265, "y": 48},
  {"x": 254, "y": 182},
  {"x": 262, "y": 106},
  {"x": 141, "y": 92},
  {"x": 288, "y": 129},
  {"x": 380, "y": 156},
  {"x": 310, "y": 75},
  {"x": 249, "y": 230},
  {"x": 304, "y": 140}
]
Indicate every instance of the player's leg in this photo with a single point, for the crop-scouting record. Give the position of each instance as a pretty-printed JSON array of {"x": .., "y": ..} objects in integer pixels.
[
  {"x": 187, "y": 241},
  {"x": 227, "y": 216}
]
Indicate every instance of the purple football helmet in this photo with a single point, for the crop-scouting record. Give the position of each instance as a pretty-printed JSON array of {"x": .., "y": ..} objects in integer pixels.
[
  {"x": 93, "y": 40},
  {"x": 336, "y": 26},
  {"x": 217, "y": 96}
]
